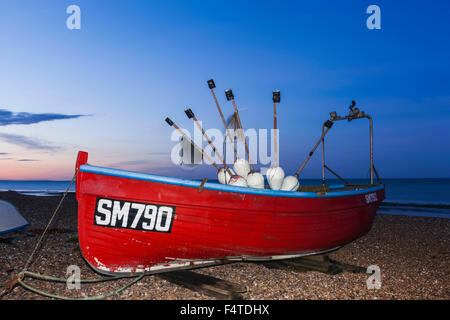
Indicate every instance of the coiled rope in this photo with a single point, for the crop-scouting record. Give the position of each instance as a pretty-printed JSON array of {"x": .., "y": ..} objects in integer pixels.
[
  {"x": 51, "y": 278},
  {"x": 25, "y": 272}
]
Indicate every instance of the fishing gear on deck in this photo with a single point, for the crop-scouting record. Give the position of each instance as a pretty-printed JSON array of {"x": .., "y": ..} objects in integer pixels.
[
  {"x": 241, "y": 166},
  {"x": 254, "y": 179},
  {"x": 234, "y": 180},
  {"x": 172, "y": 124},
  {"x": 224, "y": 173},
  {"x": 244, "y": 173}
]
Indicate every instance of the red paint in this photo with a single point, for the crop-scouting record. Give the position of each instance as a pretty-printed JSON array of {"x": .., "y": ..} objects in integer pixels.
[{"x": 214, "y": 224}]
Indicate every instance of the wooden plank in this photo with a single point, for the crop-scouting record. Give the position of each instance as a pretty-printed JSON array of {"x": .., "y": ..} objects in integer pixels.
[
  {"x": 320, "y": 263},
  {"x": 215, "y": 287},
  {"x": 349, "y": 267},
  {"x": 314, "y": 264}
]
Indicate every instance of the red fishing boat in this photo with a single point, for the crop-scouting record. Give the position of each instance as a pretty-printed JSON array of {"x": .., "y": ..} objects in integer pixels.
[{"x": 131, "y": 222}]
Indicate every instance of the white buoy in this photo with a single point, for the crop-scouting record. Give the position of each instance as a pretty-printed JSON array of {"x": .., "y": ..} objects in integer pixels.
[
  {"x": 275, "y": 177},
  {"x": 237, "y": 181},
  {"x": 241, "y": 167},
  {"x": 290, "y": 183},
  {"x": 255, "y": 180},
  {"x": 223, "y": 176}
]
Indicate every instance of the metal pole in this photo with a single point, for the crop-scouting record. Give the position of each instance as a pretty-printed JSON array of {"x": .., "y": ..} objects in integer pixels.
[
  {"x": 212, "y": 85},
  {"x": 230, "y": 96},
  {"x": 371, "y": 148},
  {"x": 275, "y": 132},
  {"x": 190, "y": 114},
  {"x": 328, "y": 124},
  {"x": 376, "y": 173},
  {"x": 245, "y": 140},
  {"x": 171, "y": 123},
  {"x": 323, "y": 156},
  {"x": 276, "y": 98},
  {"x": 345, "y": 181}
]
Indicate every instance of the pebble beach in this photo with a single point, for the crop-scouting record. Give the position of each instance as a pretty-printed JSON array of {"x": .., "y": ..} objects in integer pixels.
[{"x": 412, "y": 253}]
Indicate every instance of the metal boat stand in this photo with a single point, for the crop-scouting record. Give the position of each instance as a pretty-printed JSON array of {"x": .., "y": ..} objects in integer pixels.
[
  {"x": 208, "y": 285},
  {"x": 320, "y": 263}
]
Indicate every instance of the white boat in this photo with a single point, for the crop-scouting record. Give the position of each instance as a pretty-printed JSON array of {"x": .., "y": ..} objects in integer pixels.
[{"x": 10, "y": 218}]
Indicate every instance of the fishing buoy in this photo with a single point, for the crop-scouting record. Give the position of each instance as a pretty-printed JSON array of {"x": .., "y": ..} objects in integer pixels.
[
  {"x": 224, "y": 176},
  {"x": 241, "y": 167},
  {"x": 275, "y": 176},
  {"x": 237, "y": 181},
  {"x": 290, "y": 183},
  {"x": 255, "y": 180}
]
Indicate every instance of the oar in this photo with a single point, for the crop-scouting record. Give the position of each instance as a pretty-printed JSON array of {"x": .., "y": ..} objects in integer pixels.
[
  {"x": 212, "y": 85},
  {"x": 275, "y": 174},
  {"x": 222, "y": 176}
]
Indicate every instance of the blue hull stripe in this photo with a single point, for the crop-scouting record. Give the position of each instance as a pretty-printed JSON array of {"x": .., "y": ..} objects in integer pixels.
[{"x": 222, "y": 187}]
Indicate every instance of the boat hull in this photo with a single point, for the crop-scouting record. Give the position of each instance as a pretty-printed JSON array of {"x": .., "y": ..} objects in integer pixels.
[{"x": 131, "y": 223}]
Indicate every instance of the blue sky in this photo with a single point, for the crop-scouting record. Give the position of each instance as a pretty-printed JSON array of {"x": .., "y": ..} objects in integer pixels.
[{"x": 135, "y": 62}]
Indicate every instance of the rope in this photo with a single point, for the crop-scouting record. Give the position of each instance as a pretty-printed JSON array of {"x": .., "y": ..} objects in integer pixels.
[
  {"x": 56, "y": 279},
  {"x": 24, "y": 272},
  {"x": 51, "y": 295},
  {"x": 49, "y": 223}
]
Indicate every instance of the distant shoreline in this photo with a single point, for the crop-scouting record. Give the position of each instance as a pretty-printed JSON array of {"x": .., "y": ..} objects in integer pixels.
[
  {"x": 419, "y": 205},
  {"x": 39, "y": 193}
]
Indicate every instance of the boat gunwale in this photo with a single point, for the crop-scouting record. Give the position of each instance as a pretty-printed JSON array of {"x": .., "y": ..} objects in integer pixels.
[{"x": 222, "y": 187}]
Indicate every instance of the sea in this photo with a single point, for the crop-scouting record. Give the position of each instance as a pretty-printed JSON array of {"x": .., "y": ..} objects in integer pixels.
[{"x": 414, "y": 197}]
